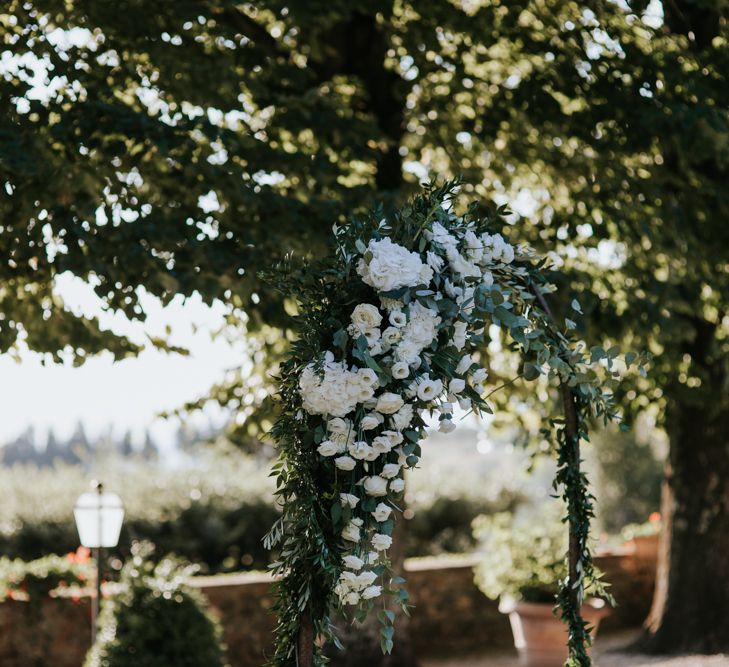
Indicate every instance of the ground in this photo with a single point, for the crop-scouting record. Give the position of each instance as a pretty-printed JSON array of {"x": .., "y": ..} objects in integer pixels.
[{"x": 607, "y": 654}]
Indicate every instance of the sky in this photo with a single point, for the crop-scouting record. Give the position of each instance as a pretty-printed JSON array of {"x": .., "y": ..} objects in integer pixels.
[{"x": 125, "y": 394}]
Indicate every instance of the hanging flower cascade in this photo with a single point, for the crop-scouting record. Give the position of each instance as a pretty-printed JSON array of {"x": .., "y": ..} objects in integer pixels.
[{"x": 394, "y": 326}]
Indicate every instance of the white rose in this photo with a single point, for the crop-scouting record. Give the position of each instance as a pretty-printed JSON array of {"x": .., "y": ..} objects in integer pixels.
[
  {"x": 390, "y": 470},
  {"x": 464, "y": 364},
  {"x": 365, "y": 579},
  {"x": 365, "y": 317},
  {"x": 360, "y": 450},
  {"x": 371, "y": 592},
  {"x": 446, "y": 426},
  {"x": 351, "y": 532},
  {"x": 400, "y": 370},
  {"x": 382, "y": 512},
  {"x": 397, "y": 485},
  {"x": 375, "y": 486},
  {"x": 370, "y": 421},
  {"x": 348, "y": 499},
  {"x": 459, "y": 335},
  {"x": 392, "y": 266},
  {"x": 403, "y": 417},
  {"x": 394, "y": 437},
  {"x": 329, "y": 448},
  {"x": 353, "y": 562},
  {"x": 345, "y": 463},
  {"x": 351, "y": 598},
  {"x": 398, "y": 318},
  {"x": 389, "y": 403},
  {"x": 381, "y": 444},
  {"x": 381, "y": 542},
  {"x": 456, "y": 385},
  {"x": 428, "y": 389}
]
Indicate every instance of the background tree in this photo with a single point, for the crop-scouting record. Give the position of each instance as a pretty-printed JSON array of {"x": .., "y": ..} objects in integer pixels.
[{"x": 184, "y": 149}]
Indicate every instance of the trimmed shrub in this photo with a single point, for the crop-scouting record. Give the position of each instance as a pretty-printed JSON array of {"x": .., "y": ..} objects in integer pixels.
[{"x": 155, "y": 619}]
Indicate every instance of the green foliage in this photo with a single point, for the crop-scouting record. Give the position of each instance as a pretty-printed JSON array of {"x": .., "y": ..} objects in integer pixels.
[
  {"x": 155, "y": 619},
  {"x": 521, "y": 559},
  {"x": 34, "y": 580}
]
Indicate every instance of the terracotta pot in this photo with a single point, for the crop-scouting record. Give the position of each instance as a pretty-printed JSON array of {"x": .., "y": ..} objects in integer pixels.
[
  {"x": 540, "y": 637},
  {"x": 646, "y": 548}
]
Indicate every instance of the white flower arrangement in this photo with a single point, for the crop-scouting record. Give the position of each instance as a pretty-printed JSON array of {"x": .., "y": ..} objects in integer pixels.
[{"x": 359, "y": 379}]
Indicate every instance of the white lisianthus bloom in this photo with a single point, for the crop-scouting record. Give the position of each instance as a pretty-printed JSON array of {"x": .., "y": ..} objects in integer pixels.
[
  {"x": 397, "y": 485},
  {"x": 446, "y": 408},
  {"x": 365, "y": 579},
  {"x": 345, "y": 463},
  {"x": 373, "y": 336},
  {"x": 390, "y": 304},
  {"x": 461, "y": 266},
  {"x": 381, "y": 542},
  {"x": 434, "y": 261},
  {"x": 507, "y": 255},
  {"x": 370, "y": 421},
  {"x": 474, "y": 247},
  {"x": 402, "y": 457},
  {"x": 391, "y": 336},
  {"x": 440, "y": 235},
  {"x": 353, "y": 562},
  {"x": 351, "y": 598},
  {"x": 459, "y": 335},
  {"x": 371, "y": 592},
  {"x": 371, "y": 557},
  {"x": 329, "y": 448},
  {"x": 487, "y": 278},
  {"x": 348, "y": 500},
  {"x": 382, "y": 512},
  {"x": 464, "y": 364},
  {"x": 452, "y": 290},
  {"x": 390, "y": 470},
  {"x": 392, "y": 266},
  {"x": 398, "y": 318},
  {"x": 446, "y": 426},
  {"x": 394, "y": 437},
  {"x": 478, "y": 376},
  {"x": 389, "y": 403},
  {"x": 464, "y": 403},
  {"x": 360, "y": 450},
  {"x": 381, "y": 444},
  {"x": 429, "y": 389},
  {"x": 400, "y": 370},
  {"x": 375, "y": 486},
  {"x": 365, "y": 317},
  {"x": 351, "y": 532},
  {"x": 367, "y": 376},
  {"x": 403, "y": 417},
  {"x": 456, "y": 385}
]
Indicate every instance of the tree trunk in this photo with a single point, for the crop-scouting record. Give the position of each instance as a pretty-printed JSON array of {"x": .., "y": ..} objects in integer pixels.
[{"x": 691, "y": 603}]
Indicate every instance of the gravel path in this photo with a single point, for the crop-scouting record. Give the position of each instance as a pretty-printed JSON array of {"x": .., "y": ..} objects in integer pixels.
[{"x": 607, "y": 654}]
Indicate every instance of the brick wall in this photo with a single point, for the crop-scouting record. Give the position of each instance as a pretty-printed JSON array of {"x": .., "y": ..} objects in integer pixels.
[{"x": 450, "y": 614}]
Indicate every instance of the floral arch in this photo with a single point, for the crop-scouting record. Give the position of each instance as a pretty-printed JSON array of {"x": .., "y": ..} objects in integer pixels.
[{"x": 390, "y": 326}]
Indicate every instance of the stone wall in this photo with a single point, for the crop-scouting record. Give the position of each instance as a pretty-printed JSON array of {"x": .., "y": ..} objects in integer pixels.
[{"x": 450, "y": 615}]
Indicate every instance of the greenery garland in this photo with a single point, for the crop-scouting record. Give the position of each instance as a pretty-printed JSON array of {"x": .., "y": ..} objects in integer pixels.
[{"x": 393, "y": 325}]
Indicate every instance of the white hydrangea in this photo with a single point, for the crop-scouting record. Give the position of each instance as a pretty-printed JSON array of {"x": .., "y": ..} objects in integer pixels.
[{"x": 391, "y": 266}]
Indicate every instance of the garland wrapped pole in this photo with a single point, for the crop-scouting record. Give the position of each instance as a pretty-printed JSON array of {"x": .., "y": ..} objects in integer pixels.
[{"x": 393, "y": 327}]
